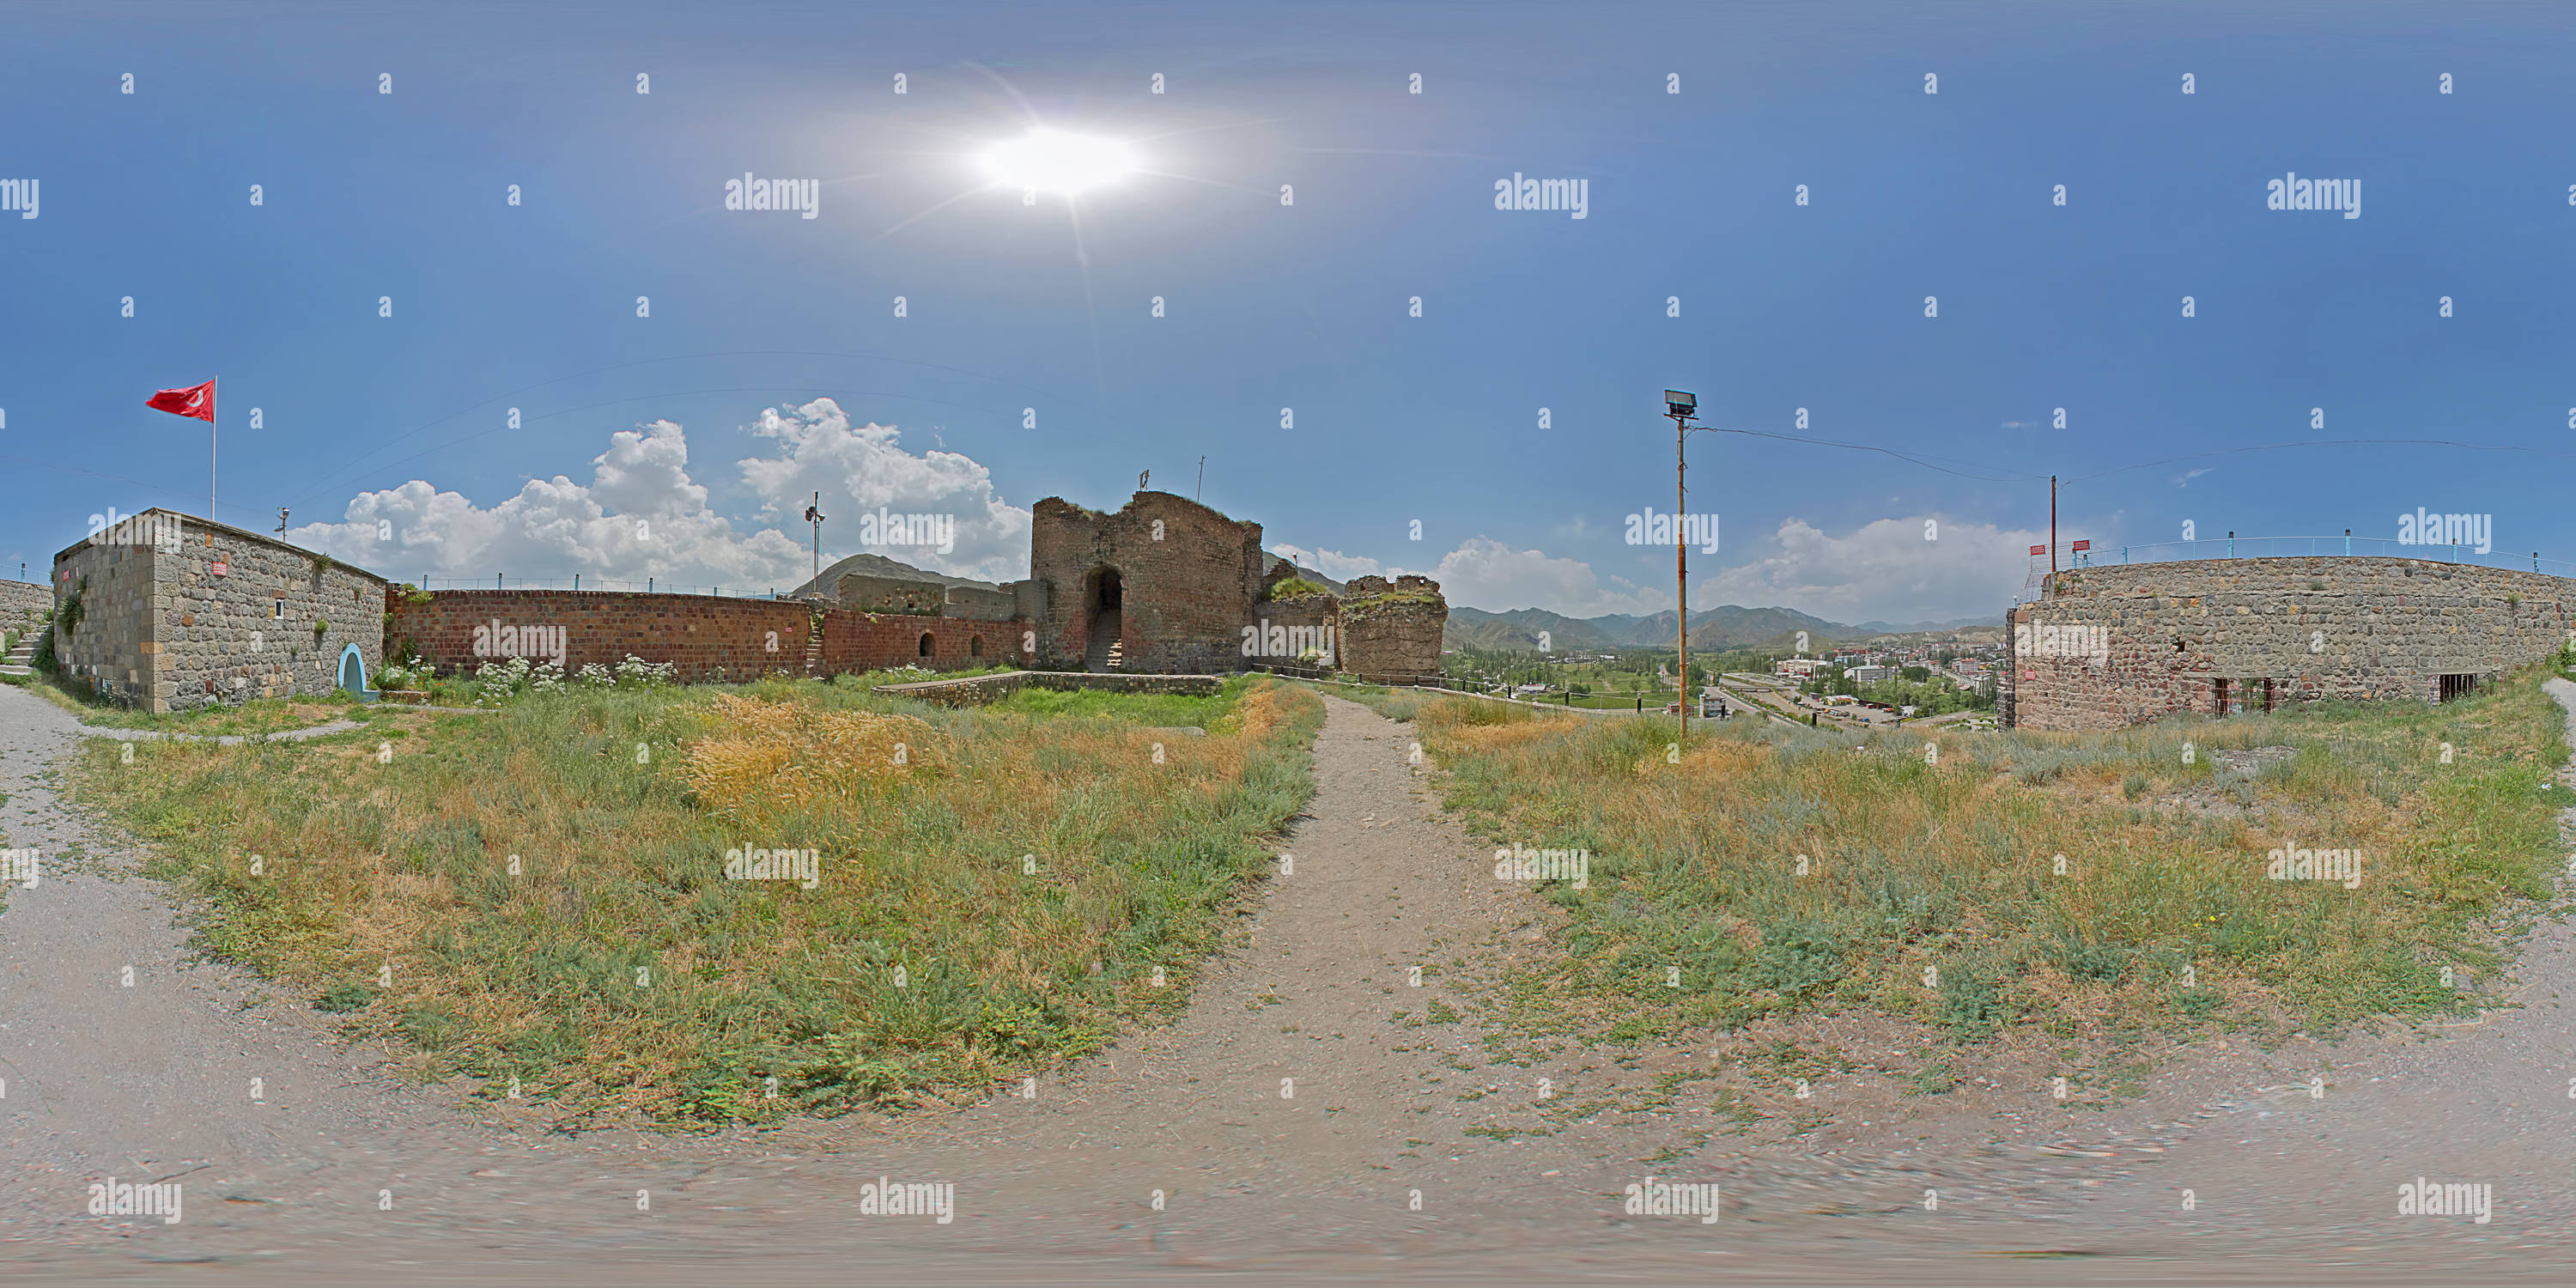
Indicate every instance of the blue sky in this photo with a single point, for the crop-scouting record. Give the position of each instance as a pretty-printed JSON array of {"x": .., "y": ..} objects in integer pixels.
[{"x": 391, "y": 434}]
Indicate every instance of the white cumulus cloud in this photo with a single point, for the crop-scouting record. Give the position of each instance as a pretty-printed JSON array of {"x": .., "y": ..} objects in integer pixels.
[
  {"x": 861, "y": 469},
  {"x": 1882, "y": 571},
  {"x": 1333, "y": 563},
  {"x": 1487, "y": 574},
  {"x": 642, "y": 515}
]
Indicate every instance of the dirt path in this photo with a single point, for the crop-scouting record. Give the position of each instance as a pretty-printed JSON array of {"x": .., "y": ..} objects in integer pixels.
[{"x": 152, "y": 1082}]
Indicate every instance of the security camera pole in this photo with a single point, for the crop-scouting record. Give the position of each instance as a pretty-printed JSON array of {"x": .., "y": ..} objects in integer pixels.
[{"x": 1682, "y": 408}]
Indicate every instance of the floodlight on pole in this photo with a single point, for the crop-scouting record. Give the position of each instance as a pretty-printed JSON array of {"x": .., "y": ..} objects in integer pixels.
[
  {"x": 814, "y": 515},
  {"x": 1682, "y": 407}
]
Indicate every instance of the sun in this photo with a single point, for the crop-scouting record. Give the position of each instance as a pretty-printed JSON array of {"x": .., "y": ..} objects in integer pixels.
[{"x": 1053, "y": 161}]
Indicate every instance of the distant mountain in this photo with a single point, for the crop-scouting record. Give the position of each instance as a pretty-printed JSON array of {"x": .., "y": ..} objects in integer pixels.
[
  {"x": 1917, "y": 628},
  {"x": 1727, "y": 626},
  {"x": 1303, "y": 571},
  {"x": 1520, "y": 629},
  {"x": 828, "y": 584},
  {"x": 880, "y": 566}
]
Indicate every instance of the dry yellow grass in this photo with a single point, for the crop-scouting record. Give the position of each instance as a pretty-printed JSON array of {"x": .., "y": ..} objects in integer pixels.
[
  {"x": 1860, "y": 871},
  {"x": 555, "y": 910}
]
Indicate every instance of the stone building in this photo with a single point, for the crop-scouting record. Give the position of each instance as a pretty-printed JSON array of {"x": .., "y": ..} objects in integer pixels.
[
  {"x": 2106, "y": 647},
  {"x": 1163, "y": 585},
  {"x": 168, "y": 611},
  {"x": 1391, "y": 631}
]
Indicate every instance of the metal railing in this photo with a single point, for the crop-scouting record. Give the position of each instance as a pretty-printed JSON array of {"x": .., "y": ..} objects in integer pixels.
[
  {"x": 2232, "y": 546},
  {"x": 586, "y": 582}
]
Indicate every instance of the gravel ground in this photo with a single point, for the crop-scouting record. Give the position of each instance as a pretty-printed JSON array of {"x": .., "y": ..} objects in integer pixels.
[{"x": 339, "y": 1170}]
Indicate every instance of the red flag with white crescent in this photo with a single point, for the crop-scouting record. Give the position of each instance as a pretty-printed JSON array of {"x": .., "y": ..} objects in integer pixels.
[{"x": 198, "y": 402}]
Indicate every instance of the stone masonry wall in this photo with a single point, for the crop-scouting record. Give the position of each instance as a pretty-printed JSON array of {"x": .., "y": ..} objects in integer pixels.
[
  {"x": 2106, "y": 647},
  {"x": 1188, "y": 578},
  {"x": 1317, "y": 614},
  {"x": 978, "y": 604},
  {"x": 250, "y": 633},
  {"x": 22, "y": 602},
  {"x": 706, "y": 637},
  {"x": 107, "y": 650},
  {"x": 1392, "y": 630},
  {"x": 161, "y": 630},
  {"x": 865, "y": 594}
]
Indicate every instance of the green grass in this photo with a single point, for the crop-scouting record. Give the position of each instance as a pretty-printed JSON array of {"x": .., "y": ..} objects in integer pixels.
[
  {"x": 256, "y": 716},
  {"x": 1171, "y": 710},
  {"x": 616, "y": 969},
  {"x": 1949, "y": 868}
]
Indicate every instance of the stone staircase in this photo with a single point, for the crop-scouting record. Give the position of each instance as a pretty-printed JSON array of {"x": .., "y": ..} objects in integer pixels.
[
  {"x": 22, "y": 659},
  {"x": 814, "y": 654},
  {"x": 1105, "y": 652}
]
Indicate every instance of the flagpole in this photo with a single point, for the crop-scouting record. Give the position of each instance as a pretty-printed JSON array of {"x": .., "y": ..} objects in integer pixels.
[{"x": 211, "y": 423}]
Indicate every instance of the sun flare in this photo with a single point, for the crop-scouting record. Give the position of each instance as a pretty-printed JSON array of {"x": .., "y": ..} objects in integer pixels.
[{"x": 1053, "y": 161}]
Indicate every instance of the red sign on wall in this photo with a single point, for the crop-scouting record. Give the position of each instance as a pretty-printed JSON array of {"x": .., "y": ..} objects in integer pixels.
[{"x": 221, "y": 568}]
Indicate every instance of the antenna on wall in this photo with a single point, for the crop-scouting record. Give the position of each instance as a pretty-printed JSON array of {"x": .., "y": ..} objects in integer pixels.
[{"x": 281, "y": 520}]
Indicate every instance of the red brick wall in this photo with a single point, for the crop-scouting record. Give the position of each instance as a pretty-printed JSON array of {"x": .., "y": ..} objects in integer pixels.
[
  {"x": 1188, "y": 577},
  {"x": 706, "y": 636},
  {"x": 873, "y": 641}
]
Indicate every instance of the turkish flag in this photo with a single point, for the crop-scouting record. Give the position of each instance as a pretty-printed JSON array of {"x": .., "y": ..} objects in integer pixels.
[{"x": 198, "y": 402}]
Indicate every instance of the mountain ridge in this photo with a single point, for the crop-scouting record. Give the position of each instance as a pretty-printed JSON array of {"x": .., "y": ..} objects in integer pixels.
[{"x": 1726, "y": 626}]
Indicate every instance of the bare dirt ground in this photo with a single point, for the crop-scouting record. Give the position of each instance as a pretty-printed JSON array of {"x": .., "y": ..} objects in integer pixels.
[{"x": 1314, "y": 1117}]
